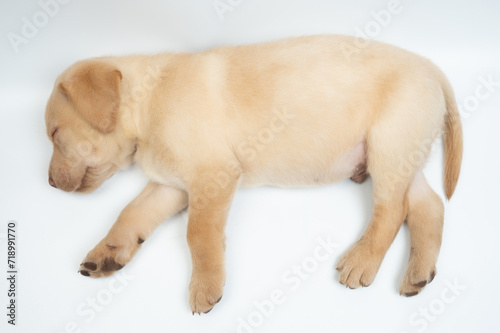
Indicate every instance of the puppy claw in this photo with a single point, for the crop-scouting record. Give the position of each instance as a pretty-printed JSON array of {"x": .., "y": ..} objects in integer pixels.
[
  {"x": 433, "y": 274},
  {"x": 213, "y": 303},
  {"x": 84, "y": 273}
]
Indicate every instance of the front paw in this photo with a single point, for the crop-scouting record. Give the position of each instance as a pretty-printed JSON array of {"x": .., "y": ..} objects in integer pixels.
[
  {"x": 109, "y": 256},
  {"x": 359, "y": 266},
  {"x": 205, "y": 290}
]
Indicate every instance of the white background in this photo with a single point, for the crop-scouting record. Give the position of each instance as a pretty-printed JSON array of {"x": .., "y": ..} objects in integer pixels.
[{"x": 269, "y": 230}]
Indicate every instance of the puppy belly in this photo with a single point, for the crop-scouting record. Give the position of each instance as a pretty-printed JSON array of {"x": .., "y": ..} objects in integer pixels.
[{"x": 312, "y": 170}]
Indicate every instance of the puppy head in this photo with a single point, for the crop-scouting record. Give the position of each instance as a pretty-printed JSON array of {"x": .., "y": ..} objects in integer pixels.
[{"x": 81, "y": 119}]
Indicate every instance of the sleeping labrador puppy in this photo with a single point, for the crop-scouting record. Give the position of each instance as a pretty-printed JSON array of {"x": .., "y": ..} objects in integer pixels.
[{"x": 298, "y": 112}]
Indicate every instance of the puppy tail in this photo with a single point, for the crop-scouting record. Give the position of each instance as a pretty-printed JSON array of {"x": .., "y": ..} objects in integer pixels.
[{"x": 453, "y": 140}]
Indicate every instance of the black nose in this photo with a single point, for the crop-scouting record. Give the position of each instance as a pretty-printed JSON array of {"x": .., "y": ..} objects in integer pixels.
[{"x": 52, "y": 182}]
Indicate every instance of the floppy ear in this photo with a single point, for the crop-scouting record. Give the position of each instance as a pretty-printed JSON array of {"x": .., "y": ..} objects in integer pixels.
[{"x": 94, "y": 90}]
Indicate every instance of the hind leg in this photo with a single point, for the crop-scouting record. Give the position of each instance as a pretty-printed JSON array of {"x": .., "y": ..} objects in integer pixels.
[
  {"x": 359, "y": 266},
  {"x": 396, "y": 147},
  {"x": 425, "y": 221}
]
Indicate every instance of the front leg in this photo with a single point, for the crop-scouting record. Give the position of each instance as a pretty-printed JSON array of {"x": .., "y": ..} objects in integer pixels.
[
  {"x": 208, "y": 208},
  {"x": 155, "y": 204}
]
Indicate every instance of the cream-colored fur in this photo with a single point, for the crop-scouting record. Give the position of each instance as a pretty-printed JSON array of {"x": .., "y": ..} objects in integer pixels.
[{"x": 289, "y": 113}]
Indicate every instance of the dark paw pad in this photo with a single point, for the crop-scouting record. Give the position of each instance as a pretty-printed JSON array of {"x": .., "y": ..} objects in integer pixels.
[
  {"x": 411, "y": 293},
  {"x": 110, "y": 265},
  {"x": 90, "y": 266},
  {"x": 421, "y": 284}
]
